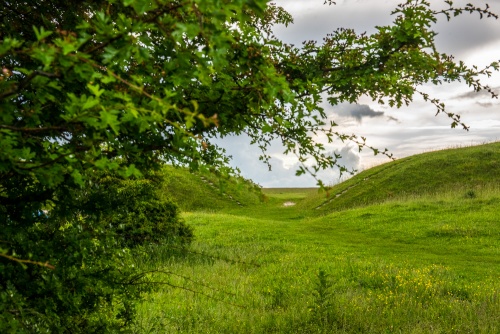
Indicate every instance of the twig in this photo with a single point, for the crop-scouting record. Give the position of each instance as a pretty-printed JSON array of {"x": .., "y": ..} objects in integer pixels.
[
  {"x": 191, "y": 280},
  {"x": 46, "y": 264},
  {"x": 25, "y": 82},
  {"x": 50, "y": 128},
  {"x": 192, "y": 291}
]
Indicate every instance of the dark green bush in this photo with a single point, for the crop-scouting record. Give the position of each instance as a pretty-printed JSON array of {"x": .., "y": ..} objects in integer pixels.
[
  {"x": 83, "y": 240},
  {"x": 135, "y": 211}
]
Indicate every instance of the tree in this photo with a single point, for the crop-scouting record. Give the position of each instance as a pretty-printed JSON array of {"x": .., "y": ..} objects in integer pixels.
[
  {"x": 123, "y": 86},
  {"x": 81, "y": 86}
]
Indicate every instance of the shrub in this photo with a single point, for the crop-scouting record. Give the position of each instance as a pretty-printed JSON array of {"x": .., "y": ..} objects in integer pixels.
[
  {"x": 470, "y": 194},
  {"x": 73, "y": 270},
  {"x": 135, "y": 211}
]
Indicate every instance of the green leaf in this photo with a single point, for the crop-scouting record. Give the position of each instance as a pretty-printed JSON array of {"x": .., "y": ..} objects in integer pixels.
[
  {"x": 105, "y": 79},
  {"x": 95, "y": 89},
  {"x": 266, "y": 128},
  {"x": 77, "y": 177},
  {"x": 41, "y": 33},
  {"x": 101, "y": 163},
  {"x": 69, "y": 47},
  {"x": 109, "y": 119},
  {"x": 140, "y": 6},
  {"x": 89, "y": 103},
  {"x": 109, "y": 54},
  {"x": 132, "y": 171},
  {"x": 8, "y": 44}
]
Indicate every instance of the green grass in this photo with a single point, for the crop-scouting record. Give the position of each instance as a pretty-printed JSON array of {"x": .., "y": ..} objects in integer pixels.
[
  {"x": 424, "y": 260},
  {"x": 204, "y": 191},
  {"x": 465, "y": 169},
  {"x": 290, "y": 193}
]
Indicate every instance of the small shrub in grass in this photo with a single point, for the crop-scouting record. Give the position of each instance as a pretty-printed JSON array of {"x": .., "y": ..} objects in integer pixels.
[
  {"x": 135, "y": 211},
  {"x": 470, "y": 194},
  {"x": 322, "y": 309}
]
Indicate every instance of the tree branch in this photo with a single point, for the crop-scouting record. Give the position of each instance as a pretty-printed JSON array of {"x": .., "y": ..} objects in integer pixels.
[
  {"x": 31, "y": 130},
  {"x": 26, "y": 81},
  {"x": 22, "y": 262}
]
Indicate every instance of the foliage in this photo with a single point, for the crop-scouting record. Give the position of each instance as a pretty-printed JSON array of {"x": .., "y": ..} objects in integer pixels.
[
  {"x": 134, "y": 209},
  {"x": 92, "y": 91},
  {"x": 88, "y": 239},
  {"x": 84, "y": 84}
]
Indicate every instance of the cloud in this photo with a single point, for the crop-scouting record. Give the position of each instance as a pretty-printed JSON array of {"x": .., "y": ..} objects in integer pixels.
[
  {"x": 459, "y": 36},
  {"x": 246, "y": 157},
  {"x": 394, "y": 119},
  {"x": 349, "y": 157},
  {"x": 282, "y": 173},
  {"x": 485, "y": 104},
  {"x": 357, "y": 111},
  {"x": 466, "y": 34},
  {"x": 477, "y": 95},
  {"x": 313, "y": 21}
]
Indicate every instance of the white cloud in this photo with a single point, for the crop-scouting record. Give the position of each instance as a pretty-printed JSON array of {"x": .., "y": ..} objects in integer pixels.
[{"x": 282, "y": 173}]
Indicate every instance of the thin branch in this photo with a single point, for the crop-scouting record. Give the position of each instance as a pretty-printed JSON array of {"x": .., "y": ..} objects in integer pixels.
[
  {"x": 103, "y": 45},
  {"x": 20, "y": 261},
  {"x": 46, "y": 163},
  {"x": 192, "y": 291},
  {"x": 452, "y": 11},
  {"x": 26, "y": 81},
  {"x": 50, "y": 128},
  {"x": 187, "y": 279}
]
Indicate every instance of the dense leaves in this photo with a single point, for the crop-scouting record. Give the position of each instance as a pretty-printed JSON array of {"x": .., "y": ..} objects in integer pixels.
[
  {"x": 98, "y": 90},
  {"x": 87, "y": 238}
]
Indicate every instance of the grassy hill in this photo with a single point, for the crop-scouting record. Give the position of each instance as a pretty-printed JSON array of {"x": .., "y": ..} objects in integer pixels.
[
  {"x": 463, "y": 170},
  {"x": 412, "y": 246},
  {"x": 205, "y": 191}
]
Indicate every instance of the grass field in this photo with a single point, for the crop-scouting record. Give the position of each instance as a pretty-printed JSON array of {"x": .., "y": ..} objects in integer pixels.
[{"x": 411, "y": 259}]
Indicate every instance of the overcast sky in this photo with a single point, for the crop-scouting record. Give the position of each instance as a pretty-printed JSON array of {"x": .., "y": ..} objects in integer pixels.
[{"x": 406, "y": 131}]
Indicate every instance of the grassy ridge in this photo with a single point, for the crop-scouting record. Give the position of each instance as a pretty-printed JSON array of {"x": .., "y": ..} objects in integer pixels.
[
  {"x": 462, "y": 170},
  {"x": 205, "y": 191},
  {"x": 428, "y": 262}
]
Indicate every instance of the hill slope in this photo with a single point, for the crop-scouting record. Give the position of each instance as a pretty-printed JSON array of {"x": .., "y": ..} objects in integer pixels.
[
  {"x": 464, "y": 170},
  {"x": 204, "y": 191},
  {"x": 427, "y": 261}
]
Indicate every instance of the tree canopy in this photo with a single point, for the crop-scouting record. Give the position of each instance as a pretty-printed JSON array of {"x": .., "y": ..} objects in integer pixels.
[
  {"x": 124, "y": 86},
  {"x": 153, "y": 81}
]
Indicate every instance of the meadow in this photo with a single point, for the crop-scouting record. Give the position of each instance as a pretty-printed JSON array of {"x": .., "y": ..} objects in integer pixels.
[{"x": 412, "y": 246}]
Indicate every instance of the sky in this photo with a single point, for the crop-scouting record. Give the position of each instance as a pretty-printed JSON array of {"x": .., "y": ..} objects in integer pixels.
[{"x": 405, "y": 131}]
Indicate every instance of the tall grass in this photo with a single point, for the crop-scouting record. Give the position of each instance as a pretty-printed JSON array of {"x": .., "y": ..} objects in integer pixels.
[{"x": 421, "y": 267}]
